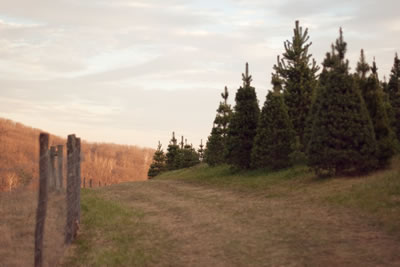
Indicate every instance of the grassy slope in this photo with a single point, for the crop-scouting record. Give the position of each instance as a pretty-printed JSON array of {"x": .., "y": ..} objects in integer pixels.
[
  {"x": 376, "y": 196},
  {"x": 116, "y": 234}
]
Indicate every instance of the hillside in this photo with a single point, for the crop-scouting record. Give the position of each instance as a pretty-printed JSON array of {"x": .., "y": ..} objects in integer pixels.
[
  {"x": 105, "y": 163},
  {"x": 205, "y": 216}
]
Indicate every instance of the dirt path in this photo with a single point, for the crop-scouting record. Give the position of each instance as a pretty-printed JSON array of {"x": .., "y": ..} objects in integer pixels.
[{"x": 214, "y": 227}]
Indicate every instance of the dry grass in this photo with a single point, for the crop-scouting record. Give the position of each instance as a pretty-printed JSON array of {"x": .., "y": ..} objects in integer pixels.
[
  {"x": 215, "y": 217},
  {"x": 17, "y": 227},
  {"x": 204, "y": 225}
]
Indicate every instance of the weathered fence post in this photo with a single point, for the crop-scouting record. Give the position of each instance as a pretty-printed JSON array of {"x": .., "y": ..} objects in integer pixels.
[
  {"x": 90, "y": 183},
  {"x": 78, "y": 179},
  {"x": 84, "y": 182},
  {"x": 53, "y": 180},
  {"x": 42, "y": 202},
  {"x": 60, "y": 166},
  {"x": 99, "y": 183},
  {"x": 71, "y": 173}
]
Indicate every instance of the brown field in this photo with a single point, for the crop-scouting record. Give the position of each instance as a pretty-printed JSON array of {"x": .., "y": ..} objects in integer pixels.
[
  {"x": 105, "y": 163},
  {"x": 17, "y": 227}
]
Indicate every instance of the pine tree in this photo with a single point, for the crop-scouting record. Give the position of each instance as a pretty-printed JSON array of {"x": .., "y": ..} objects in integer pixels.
[
  {"x": 275, "y": 134},
  {"x": 298, "y": 72},
  {"x": 200, "y": 151},
  {"x": 172, "y": 156},
  {"x": 362, "y": 66},
  {"x": 243, "y": 126},
  {"x": 362, "y": 70},
  {"x": 297, "y": 157},
  {"x": 342, "y": 138},
  {"x": 393, "y": 90},
  {"x": 158, "y": 164},
  {"x": 215, "y": 146},
  {"x": 189, "y": 156},
  {"x": 374, "y": 100}
]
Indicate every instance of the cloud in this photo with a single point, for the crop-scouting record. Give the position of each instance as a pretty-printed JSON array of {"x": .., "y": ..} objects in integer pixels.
[{"x": 155, "y": 66}]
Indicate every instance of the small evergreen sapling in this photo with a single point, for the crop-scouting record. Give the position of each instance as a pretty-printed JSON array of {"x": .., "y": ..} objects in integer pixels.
[
  {"x": 172, "y": 156},
  {"x": 158, "y": 164},
  {"x": 200, "y": 151}
]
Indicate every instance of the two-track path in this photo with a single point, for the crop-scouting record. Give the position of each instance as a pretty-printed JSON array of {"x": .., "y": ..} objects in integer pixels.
[{"x": 209, "y": 226}]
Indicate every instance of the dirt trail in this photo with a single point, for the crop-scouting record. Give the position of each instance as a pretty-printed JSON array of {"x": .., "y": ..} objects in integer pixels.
[{"x": 214, "y": 227}]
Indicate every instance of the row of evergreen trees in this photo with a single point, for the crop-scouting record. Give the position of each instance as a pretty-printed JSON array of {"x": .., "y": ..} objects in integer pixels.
[
  {"x": 337, "y": 121},
  {"x": 178, "y": 156}
]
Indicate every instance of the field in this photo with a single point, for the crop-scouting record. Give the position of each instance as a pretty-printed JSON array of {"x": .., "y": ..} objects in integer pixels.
[
  {"x": 215, "y": 217},
  {"x": 17, "y": 228}
]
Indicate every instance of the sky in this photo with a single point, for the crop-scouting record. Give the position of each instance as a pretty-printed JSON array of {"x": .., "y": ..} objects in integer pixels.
[{"x": 131, "y": 72}]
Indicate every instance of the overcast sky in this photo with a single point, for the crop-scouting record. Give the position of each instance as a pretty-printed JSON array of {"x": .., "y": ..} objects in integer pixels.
[{"x": 131, "y": 72}]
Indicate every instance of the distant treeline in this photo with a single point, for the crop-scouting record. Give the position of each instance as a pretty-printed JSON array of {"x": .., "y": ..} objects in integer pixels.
[
  {"x": 335, "y": 121},
  {"x": 104, "y": 163}
]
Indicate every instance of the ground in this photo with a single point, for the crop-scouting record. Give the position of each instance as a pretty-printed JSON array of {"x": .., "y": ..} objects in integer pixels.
[{"x": 181, "y": 223}]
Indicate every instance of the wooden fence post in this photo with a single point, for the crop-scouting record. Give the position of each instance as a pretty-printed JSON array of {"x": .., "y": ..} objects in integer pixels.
[
  {"x": 78, "y": 179},
  {"x": 90, "y": 183},
  {"x": 60, "y": 166},
  {"x": 71, "y": 173},
  {"x": 53, "y": 184},
  {"x": 42, "y": 202},
  {"x": 84, "y": 182}
]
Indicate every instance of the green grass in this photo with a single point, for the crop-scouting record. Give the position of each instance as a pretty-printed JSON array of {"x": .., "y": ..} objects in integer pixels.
[
  {"x": 224, "y": 176},
  {"x": 376, "y": 195},
  {"x": 111, "y": 235}
]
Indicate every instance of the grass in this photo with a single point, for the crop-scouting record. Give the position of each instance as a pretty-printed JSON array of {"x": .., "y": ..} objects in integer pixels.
[
  {"x": 112, "y": 235},
  {"x": 376, "y": 195},
  {"x": 17, "y": 228},
  {"x": 224, "y": 176}
]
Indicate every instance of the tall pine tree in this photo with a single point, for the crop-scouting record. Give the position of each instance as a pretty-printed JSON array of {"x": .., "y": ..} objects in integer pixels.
[
  {"x": 243, "y": 126},
  {"x": 342, "y": 138},
  {"x": 374, "y": 100},
  {"x": 215, "y": 146},
  {"x": 298, "y": 72},
  {"x": 393, "y": 90},
  {"x": 158, "y": 164},
  {"x": 275, "y": 134}
]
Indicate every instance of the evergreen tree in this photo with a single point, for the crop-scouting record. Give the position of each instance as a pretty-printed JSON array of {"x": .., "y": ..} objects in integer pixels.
[
  {"x": 374, "y": 100},
  {"x": 172, "y": 156},
  {"x": 297, "y": 157},
  {"x": 342, "y": 138},
  {"x": 393, "y": 90},
  {"x": 361, "y": 73},
  {"x": 215, "y": 146},
  {"x": 200, "y": 151},
  {"x": 298, "y": 72},
  {"x": 243, "y": 126},
  {"x": 393, "y": 87},
  {"x": 189, "y": 156},
  {"x": 158, "y": 164},
  {"x": 362, "y": 66},
  {"x": 275, "y": 134}
]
